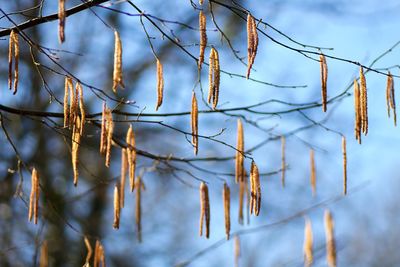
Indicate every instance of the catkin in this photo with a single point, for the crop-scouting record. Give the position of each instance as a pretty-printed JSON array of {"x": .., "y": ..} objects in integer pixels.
[
  {"x": 160, "y": 84},
  {"x": 81, "y": 106},
  {"x": 255, "y": 201},
  {"x": 138, "y": 212},
  {"x": 124, "y": 166},
  {"x": 103, "y": 135},
  {"x": 324, "y": 80},
  {"x": 364, "y": 103},
  {"x": 252, "y": 42},
  {"x": 195, "y": 124},
  {"x": 213, "y": 77},
  {"x": 117, "y": 206},
  {"x": 44, "y": 255},
  {"x": 308, "y": 243},
  {"x": 73, "y": 99},
  {"x": 344, "y": 151},
  {"x": 330, "y": 239},
  {"x": 283, "y": 160},
  {"x": 89, "y": 253},
  {"x": 390, "y": 97},
  {"x": 204, "y": 209},
  {"x": 99, "y": 257},
  {"x": 239, "y": 159},
  {"x": 131, "y": 156},
  {"x": 61, "y": 20},
  {"x": 34, "y": 197},
  {"x": 313, "y": 175},
  {"x": 117, "y": 74},
  {"x": 67, "y": 88},
  {"x": 357, "y": 111},
  {"x": 13, "y": 46},
  {"x": 203, "y": 37},
  {"x": 110, "y": 131},
  {"x": 237, "y": 250},
  {"x": 226, "y": 196},
  {"x": 76, "y": 139}
]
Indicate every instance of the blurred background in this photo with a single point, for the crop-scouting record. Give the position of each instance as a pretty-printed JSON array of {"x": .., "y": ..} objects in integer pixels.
[{"x": 365, "y": 220}]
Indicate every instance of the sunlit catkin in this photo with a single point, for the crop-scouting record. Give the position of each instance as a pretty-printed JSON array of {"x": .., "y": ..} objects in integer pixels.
[
  {"x": 330, "y": 239},
  {"x": 203, "y": 37},
  {"x": 213, "y": 77},
  {"x": 131, "y": 156},
  {"x": 239, "y": 159},
  {"x": 103, "y": 135},
  {"x": 390, "y": 97},
  {"x": 138, "y": 212},
  {"x": 110, "y": 131},
  {"x": 81, "y": 106},
  {"x": 255, "y": 201},
  {"x": 324, "y": 80},
  {"x": 195, "y": 124},
  {"x": 13, "y": 52},
  {"x": 344, "y": 152},
  {"x": 204, "y": 210},
  {"x": 99, "y": 255},
  {"x": 357, "y": 111},
  {"x": 89, "y": 251},
  {"x": 124, "y": 166},
  {"x": 252, "y": 42},
  {"x": 226, "y": 196},
  {"x": 44, "y": 255},
  {"x": 76, "y": 140},
  {"x": 283, "y": 160},
  {"x": 117, "y": 206},
  {"x": 308, "y": 243},
  {"x": 364, "y": 103},
  {"x": 160, "y": 84},
  {"x": 117, "y": 74},
  {"x": 67, "y": 88},
  {"x": 313, "y": 178},
  {"x": 73, "y": 101},
  {"x": 34, "y": 197},
  {"x": 61, "y": 20}
]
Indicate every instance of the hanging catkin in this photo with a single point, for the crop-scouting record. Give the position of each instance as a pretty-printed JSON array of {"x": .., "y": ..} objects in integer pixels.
[
  {"x": 68, "y": 87},
  {"x": 237, "y": 250},
  {"x": 139, "y": 186},
  {"x": 203, "y": 37},
  {"x": 89, "y": 252},
  {"x": 344, "y": 165},
  {"x": 390, "y": 97},
  {"x": 204, "y": 209},
  {"x": 313, "y": 179},
  {"x": 61, "y": 20},
  {"x": 34, "y": 197},
  {"x": 239, "y": 159},
  {"x": 160, "y": 84},
  {"x": 117, "y": 74},
  {"x": 226, "y": 196},
  {"x": 76, "y": 140},
  {"x": 213, "y": 77},
  {"x": 195, "y": 124},
  {"x": 81, "y": 106},
  {"x": 131, "y": 156},
  {"x": 308, "y": 243},
  {"x": 110, "y": 131},
  {"x": 255, "y": 201},
  {"x": 357, "y": 111},
  {"x": 73, "y": 100},
  {"x": 117, "y": 206},
  {"x": 324, "y": 80},
  {"x": 99, "y": 257},
  {"x": 364, "y": 103},
  {"x": 252, "y": 42},
  {"x": 283, "y": 160},
  {"x": 330, "y": 239},
  {"x": 124, "y": 166},
  {"x": 103, "y": 135},
  {"x": 44, "y": 255},
  {"x": 13, "y": 47}
]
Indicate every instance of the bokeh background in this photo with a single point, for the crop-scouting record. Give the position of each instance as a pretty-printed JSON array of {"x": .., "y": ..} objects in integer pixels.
[{"x": 366, "y": 219}]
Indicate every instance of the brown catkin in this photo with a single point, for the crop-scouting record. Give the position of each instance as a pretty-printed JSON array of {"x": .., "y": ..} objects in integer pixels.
[
  {"x": 44, "y": 255},
  {"x": 252, "y": 42},
  {"x": 99, "y": 257},
  {"x": 34, "y": 197},
  {"x": 89, "y": 253},
  {"x": 308, "y": 243},
  {"x": 160, "y": 84},
  {"x": 61, "y": 20},
  {"x": 283, "y": 160},
  {"x": 239, "y": 159},
  {"x": 117, "y": 74},
  {"x": 138, "y": 212},
  {"x": 67, "y": 83},
  {"x": 226, "y": 196},
  {"x": 76, "y": 139},
  {"x": 324, "y": 80},
  {"x": 13, "y": 46},
  {"x": 364, "y": 103},
  {"x": 344, "y": 151},
  {"x": 255, "y": 201},
  {"x": 330, "y": 239},
  {"x": 357, "y": 111},
  {"x": 203, "y": 37},
  {"x": 110, "y": 131},
  {"x": 73, "y": 108},
  {"x": 117, "y": 206},
  {"x": 313, "y": 178},
  {"x": 204, "y": 209},
  {"x": 195, "y": 124},
  {"x": 213, "y": 77},
  {"x": 81, "y": 106},
  {"x": 390, "y": 97},
  {"x": 103, "y": 135},
  {"x": 131, "y": 156},
  {"x": 237, "y": 250},
  {"x": 124, "y": 166}
]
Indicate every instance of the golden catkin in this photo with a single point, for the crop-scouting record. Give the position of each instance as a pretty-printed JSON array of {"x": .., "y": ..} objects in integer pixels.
[
  {"x": 76, "y": 140},
  {"x": 34, "y": 197},
  {"x": 73, "y": 108},
  {"x": 81, "y": 106},
  {"x": 110, "y": 131},
  {"x": 103, "y": 135},
  {"x": 13, "y": 46},
  {"x": 255, "y": 201},
  {"x": 124, "y": 166},
  {"x": 324, "y": 80},
  {"x": 344, "y": 152},
  {"x": 330, "y": 239},
  {"x": 67, "y": 83},
  {"x": 308, "y": 243},
  {"x": 61, "y": 20},
  {"x": 213, "y": 77},
  {"x": 357, "y": 111},
  {"x": 283, "y": 160},
  {"x": 138, "y": 211},
  {"x": 390, "y": 97},
  {"x": 252, "y": 42},
  {"x": 99, "y": 256},
  {"x": 89, "y": 253},
  {"x": 364, "y": 103},
  {"x": 44, "y": 255},
  {"x": 117, "y": 206},
  {"x": 195, "y": 123},
  {"x": 160, "y": 84},
  {"x": 313, "y": 178},
  {"x": 117, "y": 74},
  {"x": 203, "y": 37},
  {"x": 239, "y": 159},
  {"x": 204, "y": 209},
  {"x": 226, "y": 196},
  {"x": 131, "y": 156}
]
